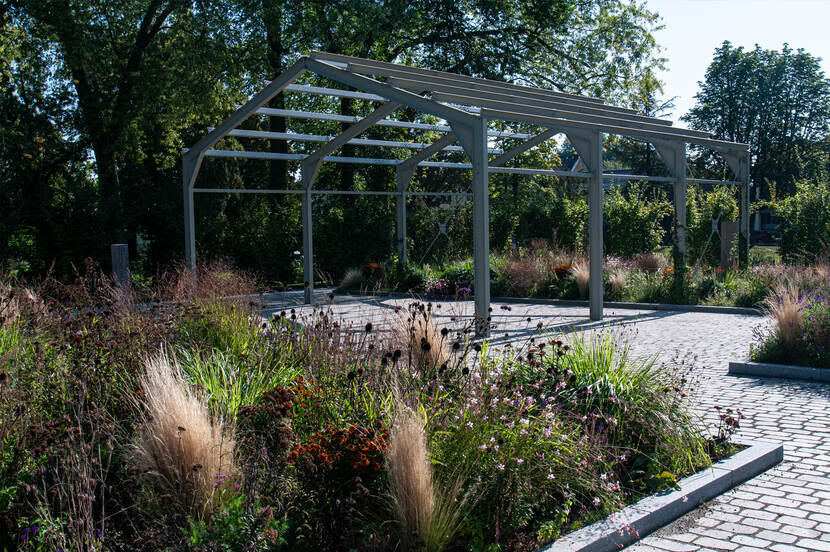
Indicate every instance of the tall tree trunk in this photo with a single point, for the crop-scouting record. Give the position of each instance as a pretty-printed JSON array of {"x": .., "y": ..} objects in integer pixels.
[
  {"x": 108, "y": 189},
  {"x": 273, "y": 27}
]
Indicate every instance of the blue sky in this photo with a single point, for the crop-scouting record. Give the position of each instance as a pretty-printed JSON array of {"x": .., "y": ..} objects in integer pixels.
[{"x": 694, "y": 28}]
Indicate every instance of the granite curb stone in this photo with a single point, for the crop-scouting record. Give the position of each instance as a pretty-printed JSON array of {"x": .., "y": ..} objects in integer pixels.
[{"x": 651, "y": 513}]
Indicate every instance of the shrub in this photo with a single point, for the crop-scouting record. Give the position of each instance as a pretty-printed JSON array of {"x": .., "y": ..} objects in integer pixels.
[
  {"x": 650, "y": 263},
  {"x": 801, "y": 328},
  {"x": 617, "y": 282},
  {"x": 631, "y": 391},
  {"x": 558, "y": 213},
  {"x": 805, "y": 222},
  {"x": 213, "y": 279},
  {"x": 632, "y": 220}
]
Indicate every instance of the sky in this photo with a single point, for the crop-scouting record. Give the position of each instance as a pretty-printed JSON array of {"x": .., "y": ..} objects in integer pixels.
[{"x": 694, "y": 28}]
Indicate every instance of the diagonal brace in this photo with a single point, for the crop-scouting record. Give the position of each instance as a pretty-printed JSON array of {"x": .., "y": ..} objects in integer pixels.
[
  {"x": 407, "y": 167},
  {"x": 311, "y": 164},
  {"x": 521, "y": 148}
]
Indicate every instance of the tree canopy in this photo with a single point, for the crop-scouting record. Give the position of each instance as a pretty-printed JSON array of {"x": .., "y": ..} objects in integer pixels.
[{"x": 778, "y": 102}]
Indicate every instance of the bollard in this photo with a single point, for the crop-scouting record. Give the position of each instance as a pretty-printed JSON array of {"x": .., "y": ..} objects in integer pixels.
[{"x": 120, "y": 263}]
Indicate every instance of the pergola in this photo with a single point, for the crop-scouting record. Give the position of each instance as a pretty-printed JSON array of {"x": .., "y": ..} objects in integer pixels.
[{"x": 466, "y": 105}]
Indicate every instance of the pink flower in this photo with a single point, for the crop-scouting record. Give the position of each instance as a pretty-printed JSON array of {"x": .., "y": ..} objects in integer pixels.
[
  {"x": 597, "y": 501},
  {"x": 500, "y": 467}
]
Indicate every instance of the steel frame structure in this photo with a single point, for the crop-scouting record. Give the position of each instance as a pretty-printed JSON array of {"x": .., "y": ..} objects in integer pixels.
[{"x": 466, "y": 104}]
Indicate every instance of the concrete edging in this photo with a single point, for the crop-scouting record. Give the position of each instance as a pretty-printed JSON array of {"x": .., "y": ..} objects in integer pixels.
[
  {"x": 580, "y": 303},
  {"x": 656, "y": 511},
  {"x": 786, "y": 371},
  {"x": 638, "y": 306}
]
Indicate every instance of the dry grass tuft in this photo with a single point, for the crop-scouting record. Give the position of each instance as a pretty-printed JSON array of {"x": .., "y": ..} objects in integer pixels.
[
  {"x": 522, "y": 274},
  {"x": 785, "y": 307},
  {"x": 582, "y": 273},
  {"x": 417, "y": 334},
  {"x": 617, "y": 280},
  {"x": 649, "y": 262},
  {"x": 352, "y": 280},
  {"x": 428, "y": 519},
  {"x": 15, "y": 301},
  {"x": 212, "y": 279},
  {"x": 188, "y": 453}
]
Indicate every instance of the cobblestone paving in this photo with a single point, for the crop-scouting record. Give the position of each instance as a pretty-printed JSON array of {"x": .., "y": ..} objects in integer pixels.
[{"x": 786, "y": 509}]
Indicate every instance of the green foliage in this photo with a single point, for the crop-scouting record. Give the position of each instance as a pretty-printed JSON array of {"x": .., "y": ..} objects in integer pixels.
[
  {"x": 230, "y": 383},
  {"x": 520, "y": 439},
  {"x": 701, "y": 208},
  {"x": 233, "y": 528},
  {"x": 554, "y": 212},
  {"x": 632, "y": 220},
  {"x": 629, "y": 393},
  {"x": 805, "y": 222},
  {"x": 131, "y": 83}
]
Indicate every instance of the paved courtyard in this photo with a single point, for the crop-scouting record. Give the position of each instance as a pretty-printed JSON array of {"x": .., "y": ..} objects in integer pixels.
[{"x": 786, "y": 509}]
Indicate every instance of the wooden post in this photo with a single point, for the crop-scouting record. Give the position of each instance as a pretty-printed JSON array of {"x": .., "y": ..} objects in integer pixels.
[{"x": 728, "y": 232}]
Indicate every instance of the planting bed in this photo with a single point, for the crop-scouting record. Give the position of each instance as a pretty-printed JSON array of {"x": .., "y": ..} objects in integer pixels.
[{"x": 200, "y": 426}]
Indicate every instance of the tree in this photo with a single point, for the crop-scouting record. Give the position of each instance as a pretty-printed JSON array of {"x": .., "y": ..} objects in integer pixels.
[
  {"x": 778, "y": 102},
  {"x": 136, "y": 80}
]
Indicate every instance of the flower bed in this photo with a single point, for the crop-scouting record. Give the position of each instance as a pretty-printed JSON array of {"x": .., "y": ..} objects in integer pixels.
[
  {"x": 195, "y": 425},
  {"x": 800, "y": 329},
  {"x": 540, "y": 271}
]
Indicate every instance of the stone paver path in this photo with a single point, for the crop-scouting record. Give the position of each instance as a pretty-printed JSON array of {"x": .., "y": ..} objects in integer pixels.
[{"x": 786, "y": 509}]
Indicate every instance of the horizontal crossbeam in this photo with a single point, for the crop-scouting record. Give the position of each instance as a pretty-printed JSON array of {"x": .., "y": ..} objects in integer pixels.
[
  {"x": 336, "y": 118},
  {"x": 298, "y": 137},
  {"x": 322, "y": 91},
  {"x": 512, "y": 97},
  {"x": 565, "y": 124},
  {"x": 328, "y": 192},
  {"x": 265, "y": 155}
]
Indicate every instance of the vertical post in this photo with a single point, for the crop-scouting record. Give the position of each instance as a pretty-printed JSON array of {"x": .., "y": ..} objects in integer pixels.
[
  {"x": 680, "y": 192},
  {"x": 473, "y": 139},
  {"x": 680, "y": 225},
  {"x": 120, "y": 254},
  {"x": 403, "y": 183},
  {"x": 481, "y": 224},
  {"x": 745, "y": 236},
  {"x": 595, "y": 228},
  {"x": 189, "y": 168},
  {"x": 308, "y": 249}
]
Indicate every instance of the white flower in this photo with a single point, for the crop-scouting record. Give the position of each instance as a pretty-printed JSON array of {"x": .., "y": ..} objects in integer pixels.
[{"x": 500, "y": 467}]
